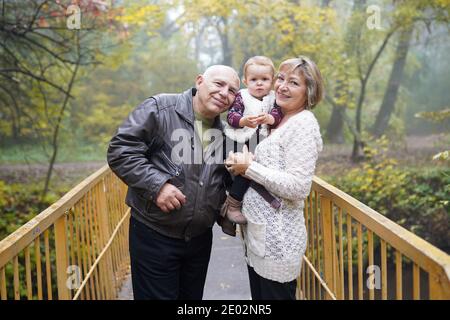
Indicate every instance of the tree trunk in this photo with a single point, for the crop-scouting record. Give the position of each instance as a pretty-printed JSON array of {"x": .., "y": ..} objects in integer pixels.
[
  {"x": 390, "y": 96},
  {"x": 335, "y": 128},
  {"x": 55, "y": 142},
  {"x": 226, "y": 50},
  {"x": 358, "y": 144}
]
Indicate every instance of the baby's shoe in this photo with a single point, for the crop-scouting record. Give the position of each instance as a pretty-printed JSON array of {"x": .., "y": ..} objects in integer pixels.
[
  {"x": 228, "y": 227},
  {"x": 233, "y": 210}
]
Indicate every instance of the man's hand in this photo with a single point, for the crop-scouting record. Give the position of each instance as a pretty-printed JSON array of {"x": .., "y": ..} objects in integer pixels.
[{"x": 170, "y": 198}]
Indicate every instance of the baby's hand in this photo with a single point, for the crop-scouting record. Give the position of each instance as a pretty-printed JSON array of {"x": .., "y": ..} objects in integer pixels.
[
  {"x": 265, "y": 118},
  {"x": 249, "y": 121}
]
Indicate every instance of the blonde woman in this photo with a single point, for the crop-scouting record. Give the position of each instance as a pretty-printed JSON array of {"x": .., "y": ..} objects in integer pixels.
[{"x": 281, "y": 171}]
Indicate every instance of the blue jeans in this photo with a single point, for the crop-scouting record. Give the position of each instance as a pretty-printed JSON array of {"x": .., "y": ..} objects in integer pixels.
[{"x": 164, "y": 268}]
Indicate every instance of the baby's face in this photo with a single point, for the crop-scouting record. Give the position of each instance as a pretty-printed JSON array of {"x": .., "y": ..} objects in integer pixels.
[{"x": 258, "y": 80}]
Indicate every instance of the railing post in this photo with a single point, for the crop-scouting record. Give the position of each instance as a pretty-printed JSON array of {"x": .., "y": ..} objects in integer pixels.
[
  {"x": 325, "y": 207},
  {"x": 102, "y": 211},
  {"x": 439, "y": 288},
  {"x": 61, "y": 258}
]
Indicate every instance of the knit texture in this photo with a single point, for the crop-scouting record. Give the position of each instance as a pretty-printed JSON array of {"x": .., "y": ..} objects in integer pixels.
[{"x": 275, "y": 239}]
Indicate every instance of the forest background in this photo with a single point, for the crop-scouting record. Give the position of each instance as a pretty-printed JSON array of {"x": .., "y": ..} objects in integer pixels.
[{"x": 70, "y": 72}]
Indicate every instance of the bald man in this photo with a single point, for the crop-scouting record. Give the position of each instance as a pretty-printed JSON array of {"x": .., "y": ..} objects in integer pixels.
[{"x": 174, "y": 200}]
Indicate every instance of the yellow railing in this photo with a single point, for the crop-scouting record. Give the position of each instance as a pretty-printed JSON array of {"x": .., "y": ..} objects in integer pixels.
[
  {"x": 78, "y": 249},
  {"x": 75, "y": 249},
  {"x": 356, "y": 253}
]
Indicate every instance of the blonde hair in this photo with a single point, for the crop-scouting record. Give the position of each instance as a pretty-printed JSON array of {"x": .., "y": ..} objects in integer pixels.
[
  {"x": 313, "y": 78},
  {"x": 259, "y": 61}
]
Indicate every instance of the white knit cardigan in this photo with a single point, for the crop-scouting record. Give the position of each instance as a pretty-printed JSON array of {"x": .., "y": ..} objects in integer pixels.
[{"x": 275, "y": 239}]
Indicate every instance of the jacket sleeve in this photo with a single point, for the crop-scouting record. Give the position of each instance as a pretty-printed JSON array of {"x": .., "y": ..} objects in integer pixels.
[
  {"x": 300, "y": 154},
  {"x": 130, "y": 149}
]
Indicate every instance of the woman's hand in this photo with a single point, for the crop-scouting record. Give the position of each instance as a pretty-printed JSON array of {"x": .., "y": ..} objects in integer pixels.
[{"x": 237, "y": 163}]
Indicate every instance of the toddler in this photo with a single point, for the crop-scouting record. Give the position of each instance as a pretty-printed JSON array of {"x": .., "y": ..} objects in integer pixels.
[{"x": 250, "y": 117}]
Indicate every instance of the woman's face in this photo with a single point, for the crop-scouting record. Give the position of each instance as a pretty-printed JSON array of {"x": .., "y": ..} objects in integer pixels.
[{"x": 290, "y": 90}]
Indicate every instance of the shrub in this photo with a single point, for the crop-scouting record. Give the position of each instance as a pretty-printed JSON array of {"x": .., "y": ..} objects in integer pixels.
[
  {"x": 19, "y": 203},
  {"x": 416, "y": 199}
]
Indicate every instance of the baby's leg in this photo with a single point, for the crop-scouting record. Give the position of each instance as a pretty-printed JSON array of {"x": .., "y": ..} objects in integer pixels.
[
  {"x": 239, "y": 187},
  {"x": 231, "y": 209}
]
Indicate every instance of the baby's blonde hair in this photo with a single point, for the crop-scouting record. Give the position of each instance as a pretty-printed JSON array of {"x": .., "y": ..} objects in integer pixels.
[{"x": 259, "y": 61}]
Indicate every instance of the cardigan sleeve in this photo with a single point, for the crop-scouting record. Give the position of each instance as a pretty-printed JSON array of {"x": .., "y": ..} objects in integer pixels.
[{"x": 300, "y": 154}]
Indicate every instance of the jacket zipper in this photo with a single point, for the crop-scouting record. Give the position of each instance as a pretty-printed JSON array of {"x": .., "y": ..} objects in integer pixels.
[{"x": 171, "y": 164}]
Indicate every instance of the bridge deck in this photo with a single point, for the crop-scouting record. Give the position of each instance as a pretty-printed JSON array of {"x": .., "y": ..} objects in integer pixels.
[{"x": 227, "y": 277}]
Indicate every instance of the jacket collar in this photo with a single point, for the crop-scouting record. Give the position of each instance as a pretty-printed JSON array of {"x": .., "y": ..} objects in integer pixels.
[{"x": 185, "y": 108}]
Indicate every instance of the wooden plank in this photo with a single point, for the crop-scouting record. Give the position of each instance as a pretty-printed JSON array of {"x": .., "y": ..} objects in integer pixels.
[
  {"x": 71, "y": 242},
  {"x": 93, "y": 237},
  {"x": 100, "y": 242},
  {"x": 77, "y": 242},
  {"x": 327, "y": 242},
  {"x": 350, "y": 257},
  {"x": 398, "y": 275},
  {"x": 371, "y": 263},
  {"x": 308, "y": 284},
  {"x": 16, "y": 278},
  {"x": 48, "y": 269},
  {"x": 318, "y": 237},
  {"x": 436, "y": 291},
  {"x": 84, "y": 244},
  {"x": 37, "y": 256},
  {"x": 360, "y": 262},
  {"x": 3, "y": 293},
  {"x": 104, "y": 235},
  {"x": 308, "y": 230},
  {"x": 303, "y": 280},
  {"x": 93, "y": 240},
  {"x": 333, "y": 248},
  {"x": 341, "y": 256},
  {"x": 61, "y": 258},
  {"x": 28, "y": 274},
  {"x": 416, "y": 282},
  {"x": 312, "y": 244},
  {"x": 88, "y": 245},
  {"x": 308, "y": 250},
  {"x": 384, "y": 270}
]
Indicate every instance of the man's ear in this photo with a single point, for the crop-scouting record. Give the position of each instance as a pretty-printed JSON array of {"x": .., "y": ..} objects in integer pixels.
[{"x": 199, "y": 80}]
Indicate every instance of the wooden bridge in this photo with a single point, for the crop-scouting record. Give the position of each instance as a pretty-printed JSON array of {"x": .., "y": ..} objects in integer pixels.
[{"x": 78, "y": 249}]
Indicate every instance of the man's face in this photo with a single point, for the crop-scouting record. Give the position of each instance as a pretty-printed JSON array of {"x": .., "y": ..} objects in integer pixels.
[{"x": 216, "y": 90}]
